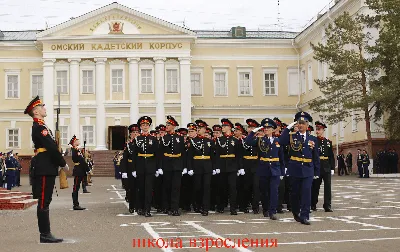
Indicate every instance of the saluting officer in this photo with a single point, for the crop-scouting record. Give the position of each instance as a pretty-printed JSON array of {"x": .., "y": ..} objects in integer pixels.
[
  {"x": 146, "y": 165},
  {"x": 79, "y": 171},
  {"x": 174, "y": 159},
  {"x": 304, "y": 165},
  {"x": 229, "y": 164},
  {"x": 327, "y": 169},
  {"x": 271, "y": 166},
  {"x": 128, "y": 169},
  {"x": 201, "y": 155},
  {"x": 49, "y": 159}
]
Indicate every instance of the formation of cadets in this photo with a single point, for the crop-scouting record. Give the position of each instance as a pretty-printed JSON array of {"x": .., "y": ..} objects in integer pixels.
[
  {"x": 208, "y": 169},
  {"x": 10, "y": 170}
]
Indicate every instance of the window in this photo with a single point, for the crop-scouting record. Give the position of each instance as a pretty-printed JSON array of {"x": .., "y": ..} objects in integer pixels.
[
  {"x": 269, "y": 83},
  {"x": 310, "y": 77},
  {"x": 195, "y": 81},
  {"x": 325, "y": 69},
  {"x": 147, "y": 82},
  {"x": 117, "y": 80},
  {"x": 13, "y": 138},
  {"x": 303, "y": 81},
  {"x": 293, "y": 77},
  {"x": 88, "y": 134},
  {"x": 62, "y": 82},
  {"x": 221, "y": 88},
  {"x": 37, "y": 85},
  {"x": 12, "y": 85},
  {"x": 87, "y": 82},
  {"x": 172, "y": 81},
  {"x": 64, "y": 135},
  {"x": 245, "y": 83},
  {"x": 320, "y": 70}
]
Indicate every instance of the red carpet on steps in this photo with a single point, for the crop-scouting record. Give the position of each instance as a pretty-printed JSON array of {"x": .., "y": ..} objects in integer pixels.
[{"x": 14, "y": 200}]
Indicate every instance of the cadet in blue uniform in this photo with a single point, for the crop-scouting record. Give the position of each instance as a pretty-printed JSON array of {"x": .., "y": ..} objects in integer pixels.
[
  {"x": 327, "y": 169},
  {"x": 1, "y": 169},
  {"x": 146, "y": 165},
  {"x": 173, "y": 148},
  {"x": 304, "y": 165},
  {"x": 10, "y": 170},
  {"x": 48, "y": 161},
  {"x": 271, "y": 166},
  {"x": 229, "y": 164},
  {"x": 79, "y": 171}
]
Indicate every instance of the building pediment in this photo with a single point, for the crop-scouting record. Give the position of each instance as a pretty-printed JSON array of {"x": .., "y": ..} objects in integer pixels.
[{"x": 114, "y": 20}]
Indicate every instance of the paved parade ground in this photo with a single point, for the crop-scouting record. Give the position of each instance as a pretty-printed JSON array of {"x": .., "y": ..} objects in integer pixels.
[{"x": 366, "y": 217}]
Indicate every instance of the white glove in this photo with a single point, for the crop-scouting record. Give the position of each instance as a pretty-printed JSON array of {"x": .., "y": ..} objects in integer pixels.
[
  {"x": 157, "y": 174},
  {"x": 238, "y": 173},
  {"x": 134, "y": 174},
  {"x": 257, "y": 129},
  {"x": 191, "y": 173},
  {"x": 66, "y": 167},
  {"x": 214, "y": 172},
  {"x": 285, "y": 170},
  {"x": 281, "y": 177},
  {"x": 184, "y": 171},
  {"x": 160, "y": 171},
  {"x": 332, "y": 172},
  {"x": 242, "y": 172},
  {"x": 218, "y": 171},
  {"x": 291, "y": 125},
  {"x": 316, "y": 177},
  {"x": 124, "y": 175}
]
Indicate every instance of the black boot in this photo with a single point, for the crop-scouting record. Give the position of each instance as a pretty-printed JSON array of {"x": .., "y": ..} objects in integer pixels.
[
  {"x": 44, "y": 227},
  {"x": 78, "y": 207}
]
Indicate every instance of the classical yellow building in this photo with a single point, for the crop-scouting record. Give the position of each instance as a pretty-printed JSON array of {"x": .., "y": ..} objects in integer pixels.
[{"x": 115, "y": 64}]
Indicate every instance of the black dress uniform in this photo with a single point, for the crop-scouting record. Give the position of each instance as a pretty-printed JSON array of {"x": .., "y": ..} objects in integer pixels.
[
  {"x": 80, "y": 170},
  {"x": 201, "y": 155},
  {"x": 146, "y": 164},
  {"x": 215, "y": 177},
  {"x": 360, "y": 163},
  {"x": 48, "y": 160},
  {"x": 173, "y": 149},
  {"x": 229, "y": 162},
  {"x": 186, "y": 199},
  {"x": 327, "y": 164}
]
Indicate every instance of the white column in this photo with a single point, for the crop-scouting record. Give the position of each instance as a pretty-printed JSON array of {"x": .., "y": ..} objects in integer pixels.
[
  {"x": 160, "y": 97},
  {"x": 74, "y": 96},
  {"x": 100, "y": 99},
  {"x": 48, "y": 94},
  {"x": 186, "y": 94},
  {"x": 134, "y": 89}
]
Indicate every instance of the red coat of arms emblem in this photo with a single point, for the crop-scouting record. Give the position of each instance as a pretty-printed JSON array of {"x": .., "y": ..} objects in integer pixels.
[{"x": 116, "y": 27}]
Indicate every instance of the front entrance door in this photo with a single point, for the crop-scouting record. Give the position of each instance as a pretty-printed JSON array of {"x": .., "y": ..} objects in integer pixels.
[{"x": 117, "y": 137}]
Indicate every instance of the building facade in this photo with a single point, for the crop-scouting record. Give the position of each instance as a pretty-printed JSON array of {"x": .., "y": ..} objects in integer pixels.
[{"x": 115, "y": 64}]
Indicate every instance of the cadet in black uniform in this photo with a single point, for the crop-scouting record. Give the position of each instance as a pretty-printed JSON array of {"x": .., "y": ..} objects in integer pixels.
[
  {"x": 229, "y": 164},
  {"x": 49, "y": 159},
  {"x": 173, "y": 148},
  {"x": 243, "y": 182},
  {"x": 360, "y": 163},
  {"x": 128, "y": 172},
  {"x": 327, "y": 164},
  {"x": 146, "y": 165},
  {"x": 80, "y": 170}
]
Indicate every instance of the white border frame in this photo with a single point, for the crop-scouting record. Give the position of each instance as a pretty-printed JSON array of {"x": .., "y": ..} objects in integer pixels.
[
  {"x": 172, "y": 66},
  {"x": 61, "y": 66},
  {"x": 12, "y": 72},
  {"x": 86, "y": 67},
  {"x": 19, "y": 138},
  {"x": 226, "y": 72},
  {"x": 146, "y": 65},
  {"x": 31, "y": 74},
  {"x": 94, "y": 134},
  {"x": 197, "y": 70},
  {"x": 270, "y": 70},
  {"x": 245, "y": 70},
  {"x": 118, "y": 65}
]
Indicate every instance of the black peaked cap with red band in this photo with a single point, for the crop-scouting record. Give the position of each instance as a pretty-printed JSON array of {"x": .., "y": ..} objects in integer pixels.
[
  {"x": 217, "y": 127},
  {"x": 73, "y": 139},
  {"x": 35, "y": 102},
  {"x": 144, "y": 119},
  {"x": 133, "y": 127},
  {"x": 172, "y": 121},
  {"x": 319, "y": 124},
  {"x": 252, "y": 123},
  {"x": 226, "y": 122},
  {"x": 191, "y": 126},
  {"x": 240, "y": 127},
  {"x": 162, "y": 127},
  {"x": 201, "y": 123},
  {"x": 182, "y": 131}
]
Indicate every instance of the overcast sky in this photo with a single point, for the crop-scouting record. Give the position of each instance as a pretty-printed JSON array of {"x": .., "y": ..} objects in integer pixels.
[{"x": 197, "y": 14}]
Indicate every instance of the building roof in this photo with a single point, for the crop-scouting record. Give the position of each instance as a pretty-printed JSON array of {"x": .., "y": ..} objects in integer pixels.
[
  {"x": 18, "y": 35},
  {"x": 31, "y": 35}
]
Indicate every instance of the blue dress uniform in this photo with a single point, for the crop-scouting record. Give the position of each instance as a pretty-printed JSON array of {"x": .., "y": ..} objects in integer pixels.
[
  {"x": 10, "y": 170},
  {"x": 303, "y": 166},
  {"x": 173, "y": 148},
  {"x": 365, "y": 164},
  {"x": 48, "y": 161},
  {"x": 270, "y": 168},
  {"x": 1, "y": 169}
]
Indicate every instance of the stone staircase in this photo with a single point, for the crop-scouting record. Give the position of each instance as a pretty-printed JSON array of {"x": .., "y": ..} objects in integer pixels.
[
  {"x": 103, "y": 163},
  {"x": 14, "y": 200}
]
